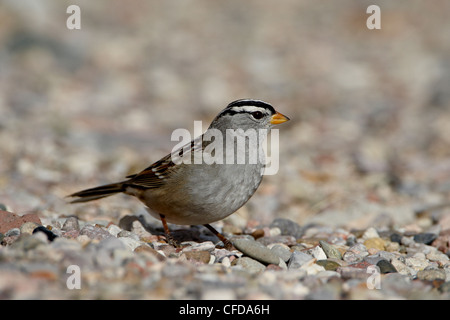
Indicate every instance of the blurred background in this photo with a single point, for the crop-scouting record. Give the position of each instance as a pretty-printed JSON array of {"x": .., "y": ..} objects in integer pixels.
[{"x": 369, "y": 138}]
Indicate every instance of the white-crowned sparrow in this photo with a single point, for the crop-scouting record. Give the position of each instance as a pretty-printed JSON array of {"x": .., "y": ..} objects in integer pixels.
[{"x": 201, "y": 193}]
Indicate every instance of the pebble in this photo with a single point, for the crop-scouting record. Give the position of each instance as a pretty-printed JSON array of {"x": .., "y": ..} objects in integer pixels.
[
  {"x": 130, "y": 242},
  {"x": 318, "y": 253},
  {"x": 277, "y": 265},
  {"x": 386, "y": 267},
  {"x": 374, "y": 243},
  {"x": 402, "y": 268},
  {"x": 417, "y": 262},
  {"x": 29, "y": 242},
  {"x": 194, "y": 246},
  {"x": 370, "y": 233},
  {"x": 298, "y": 259},
  {"x": 250, "y": 265},
  {"x": 138, "y": 229},
  {"x": 426, "y": 238},
  {"x": 407, "y": 241},
  {"x": 9, "y": 220},
  {"x": 287, "y": 240},
  {"x": 442, "y": 243},
  {"x": 355, "y": 253},
  {"x": 330, "y": 251},
  {"x": 28, "y": 227},
  {"x": 312, "y": 268},
  {"x": 256, "y": 251},
  {"x": 330, "y": 264},
  {"x": 288, "y": 227},
  {"x": 95, "y": 232},
  {"x": 12, "y": 232},
  {"x": 111, "y": 244},
  {"x": 200, "y": 256},
  {"x": 445, "y": 287},
  {"x": 380, "y": 255},
  {"x": 281, "y": 250},
  {"x": 438, "y": 256},
  {"x": 396, "y": 237},
  {"x": 431, "y": 274},
  {"x": 352, "y": 272},
  {"x": 114, "y": 230},
  {"x": 71, "y": 224},
  {"x": 392, "y": 246},
  {"x": 127, "y": 234}
]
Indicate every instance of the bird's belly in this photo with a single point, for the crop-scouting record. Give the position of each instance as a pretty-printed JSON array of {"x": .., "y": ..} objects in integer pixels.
[{"x": 204, "y": 201}]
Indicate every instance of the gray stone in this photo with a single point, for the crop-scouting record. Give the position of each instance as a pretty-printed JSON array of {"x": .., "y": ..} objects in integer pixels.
[
  {"x": 12, "y": 232},
  {"x": 139, "y": 229},
  {"x": 111, "y": 244},
  {"x": 250, "y": 265},
  {"x": 426, "y": 238},
  {"x": 352, "y": 273},
  {"x": 29, "y": 242},
  {"x": 130, "y": 242},
  {"x": 431, "y": 274},
  {"x": 127, "y": 234},
  {"x": 282, "y": 251},
  {"x": 380, "y": 255},
  {"x": 407, "y": 241},
  {"x": 66, "y": 244},
  {"x": 288, "y": 227},
  {"x": 114, "y": 230},
  {"x": 436, "y": 255},
  {"x": 298, "y": 259},
  {"x": 202, "y": 246},
  {"x": 70, "y": 224},
  {"x": 355, "y": 253},
  {"x": 396, "y": 237},
  {"x": 256, "y": 251},
  {"x": 445, "y": 287},
  {"x": 94, "y": 232},
  {"x": 175, "y": 270},
  {"x": 284, "y": 239}
]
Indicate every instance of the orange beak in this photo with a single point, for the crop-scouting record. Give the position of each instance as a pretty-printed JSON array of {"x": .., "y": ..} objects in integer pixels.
[{"x": 278, "y": 118}]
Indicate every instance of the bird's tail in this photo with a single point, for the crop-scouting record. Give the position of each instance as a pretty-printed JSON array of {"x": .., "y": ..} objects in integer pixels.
[{"x": 98, "y": 192}]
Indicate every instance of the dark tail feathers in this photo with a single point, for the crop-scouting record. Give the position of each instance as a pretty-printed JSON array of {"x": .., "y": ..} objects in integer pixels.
[{"x": 98, "y": 192}]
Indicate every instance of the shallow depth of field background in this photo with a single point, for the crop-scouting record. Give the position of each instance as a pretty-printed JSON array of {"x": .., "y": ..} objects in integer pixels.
[{"x": 369, "y": 138}]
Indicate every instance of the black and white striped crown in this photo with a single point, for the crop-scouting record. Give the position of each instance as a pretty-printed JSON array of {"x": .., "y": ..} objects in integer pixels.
[{"x": 248, "y": 106}]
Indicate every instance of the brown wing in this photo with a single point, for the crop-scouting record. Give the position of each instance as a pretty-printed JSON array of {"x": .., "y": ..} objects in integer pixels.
[{"x": 154, "y": 176}]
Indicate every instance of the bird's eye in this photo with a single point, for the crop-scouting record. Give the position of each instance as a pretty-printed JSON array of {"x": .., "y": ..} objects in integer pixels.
[{"x": 257, "y": 115}]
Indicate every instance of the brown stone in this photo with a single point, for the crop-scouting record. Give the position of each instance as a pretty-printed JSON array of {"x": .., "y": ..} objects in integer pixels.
[
  {"x": 200, "y": 256},
  {"x": 9, "y": 220}
]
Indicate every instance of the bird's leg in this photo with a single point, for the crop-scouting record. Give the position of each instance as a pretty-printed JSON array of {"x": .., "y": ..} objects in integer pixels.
[
  {"x": 226, "y": 243},
  {"x": 169, "y": 238}
]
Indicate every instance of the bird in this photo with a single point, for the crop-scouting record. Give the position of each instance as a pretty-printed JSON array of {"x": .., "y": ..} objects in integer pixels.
[{"x": 179, "y": 191}]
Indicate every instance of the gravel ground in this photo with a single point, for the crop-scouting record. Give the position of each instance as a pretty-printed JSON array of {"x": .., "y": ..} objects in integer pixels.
[{"x": 359, "y": 208}]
